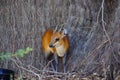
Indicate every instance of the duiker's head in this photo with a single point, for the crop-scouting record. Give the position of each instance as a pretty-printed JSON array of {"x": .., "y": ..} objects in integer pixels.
[{"x": 57, "y": 38}]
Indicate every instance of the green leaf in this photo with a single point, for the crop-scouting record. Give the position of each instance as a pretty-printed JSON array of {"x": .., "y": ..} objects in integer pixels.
[
  {"x": 20, "y": 52},
  {"x": 20, "y": 55},
  {"x": 28, "y": 49},
  {"x": 7, "y": 55}
]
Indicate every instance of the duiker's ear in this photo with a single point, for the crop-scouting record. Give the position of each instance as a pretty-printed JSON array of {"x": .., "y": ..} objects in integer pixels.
[{"x": 64, "y": 33}]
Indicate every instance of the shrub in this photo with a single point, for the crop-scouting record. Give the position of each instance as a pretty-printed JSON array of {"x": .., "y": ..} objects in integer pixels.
[{"x": 19, "y": 53}]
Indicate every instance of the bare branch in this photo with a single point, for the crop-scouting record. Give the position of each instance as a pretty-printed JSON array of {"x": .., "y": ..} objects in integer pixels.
[
  {"x": 103, "y": 22},
  {"x": 28, "y": 70}
]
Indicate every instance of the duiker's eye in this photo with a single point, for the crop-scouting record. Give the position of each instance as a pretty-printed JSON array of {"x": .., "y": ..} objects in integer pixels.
[{"x": 57, "y": 39}]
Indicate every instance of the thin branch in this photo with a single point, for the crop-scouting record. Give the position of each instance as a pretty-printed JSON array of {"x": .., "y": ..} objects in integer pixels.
[
  {"x": 31, "y": 69},
  {"x": 39, "y": 77},
  {"x": 98, "y": 14},
  {"x": 92, "y": 52},
  {"x": 103, "y": 22}
]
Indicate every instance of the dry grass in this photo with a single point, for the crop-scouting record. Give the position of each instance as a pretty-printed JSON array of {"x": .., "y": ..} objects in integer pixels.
[{"x": 94, "y": 32}]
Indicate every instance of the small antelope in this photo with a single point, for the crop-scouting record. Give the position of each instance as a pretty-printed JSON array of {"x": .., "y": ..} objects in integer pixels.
[{"x": 57, "y": 43}]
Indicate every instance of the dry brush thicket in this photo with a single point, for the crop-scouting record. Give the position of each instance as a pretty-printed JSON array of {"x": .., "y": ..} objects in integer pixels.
[{"x": 93, "y": 26}]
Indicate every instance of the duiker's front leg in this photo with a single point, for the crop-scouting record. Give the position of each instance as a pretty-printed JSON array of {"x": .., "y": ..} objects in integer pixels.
[
  {"x": 56, "y": 62},
  {"x": 64, "y": 63},
  {"x": 49, "y": 61}
]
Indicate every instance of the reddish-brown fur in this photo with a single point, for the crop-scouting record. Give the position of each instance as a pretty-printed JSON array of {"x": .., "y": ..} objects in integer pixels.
[
  {"x": 48, "y": 37},
  {"x": 55, "y": 43}
]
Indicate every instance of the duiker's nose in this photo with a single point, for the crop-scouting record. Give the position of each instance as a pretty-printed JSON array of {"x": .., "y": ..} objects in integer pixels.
[{"x": 51, "y": 45}]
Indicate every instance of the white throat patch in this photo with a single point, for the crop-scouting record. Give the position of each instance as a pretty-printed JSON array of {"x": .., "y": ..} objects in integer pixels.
[{"x": 60, "y": 51}]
